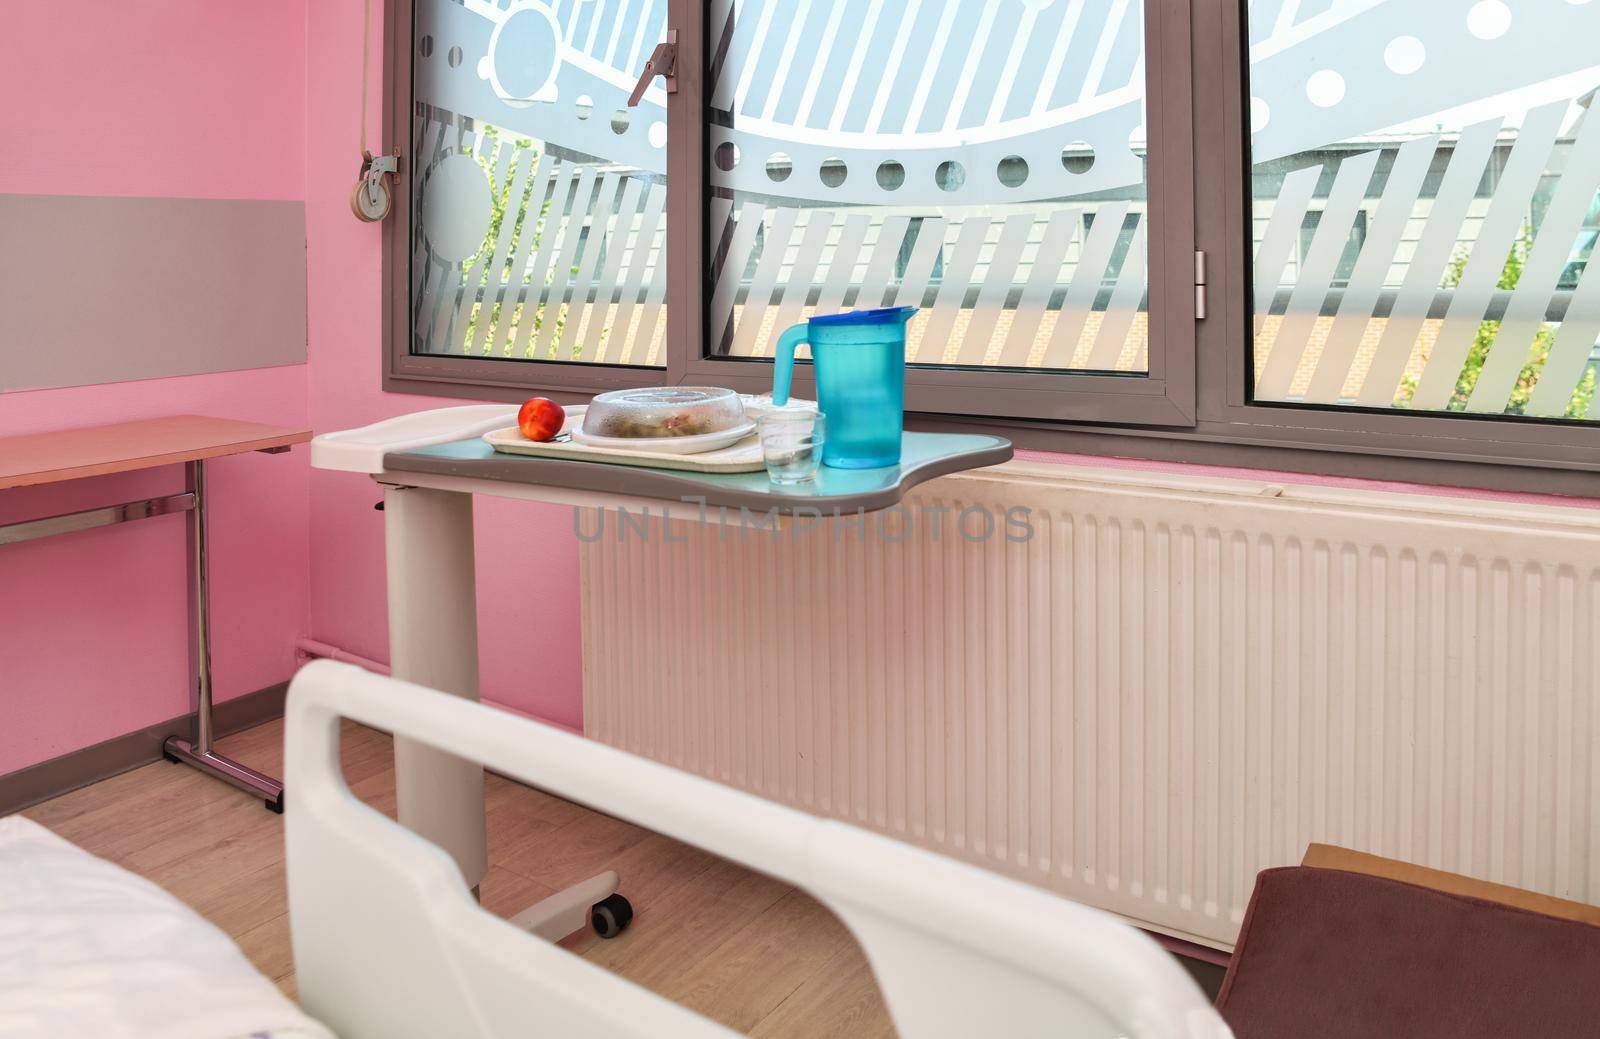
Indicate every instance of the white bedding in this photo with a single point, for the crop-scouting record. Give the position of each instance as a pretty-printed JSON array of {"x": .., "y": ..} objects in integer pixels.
[{"x": 89, "y": 949}]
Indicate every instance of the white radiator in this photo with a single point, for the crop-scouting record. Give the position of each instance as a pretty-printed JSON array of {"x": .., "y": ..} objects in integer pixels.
[{"x": 1174, "y": 683}]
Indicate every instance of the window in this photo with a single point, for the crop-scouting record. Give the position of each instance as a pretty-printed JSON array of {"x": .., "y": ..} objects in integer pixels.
[
  {"x": 1440, "y": 190},
  {"x": 935, "y": 172},
  {"x": 987, "y": 162},
  {"x": 537, "y": 216},
  {"x": 1260, "y": 232}
]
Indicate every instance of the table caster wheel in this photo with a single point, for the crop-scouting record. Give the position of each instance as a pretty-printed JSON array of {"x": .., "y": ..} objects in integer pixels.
[{"x": 610, "y": 916}]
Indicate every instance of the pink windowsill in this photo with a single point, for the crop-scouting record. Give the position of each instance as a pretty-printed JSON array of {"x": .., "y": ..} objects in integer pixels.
[{"x": 1306, "y": 479}]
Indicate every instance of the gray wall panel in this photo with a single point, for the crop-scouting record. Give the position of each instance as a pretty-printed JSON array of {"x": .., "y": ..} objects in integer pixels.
[{"x": 98, "y": 290}]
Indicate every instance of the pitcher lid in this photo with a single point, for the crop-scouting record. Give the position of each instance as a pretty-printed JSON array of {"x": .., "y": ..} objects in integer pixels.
[{"x": 880, "y": 316}]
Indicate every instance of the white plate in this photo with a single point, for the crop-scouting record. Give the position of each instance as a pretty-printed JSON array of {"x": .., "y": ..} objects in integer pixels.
[{"x": 694, "y": 445}]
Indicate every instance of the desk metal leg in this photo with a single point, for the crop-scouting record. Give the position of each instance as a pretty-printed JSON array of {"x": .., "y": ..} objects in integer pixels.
[
  {"x": 433, "y": 641},
  {"x": 198, "y": 752}
]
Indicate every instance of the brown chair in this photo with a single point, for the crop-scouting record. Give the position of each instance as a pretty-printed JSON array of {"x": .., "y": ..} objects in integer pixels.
[{"x": 1357, "y": 946}]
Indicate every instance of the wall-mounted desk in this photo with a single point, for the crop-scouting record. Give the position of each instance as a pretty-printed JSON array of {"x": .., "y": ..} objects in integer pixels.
[{"x": 121, "y": 447}]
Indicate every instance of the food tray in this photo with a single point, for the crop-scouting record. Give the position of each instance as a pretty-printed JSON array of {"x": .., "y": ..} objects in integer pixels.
[{"x": 742, "y": 457}]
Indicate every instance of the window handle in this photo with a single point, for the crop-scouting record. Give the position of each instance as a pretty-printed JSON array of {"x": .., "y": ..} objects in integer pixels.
[{"x": 663, "y": 62}]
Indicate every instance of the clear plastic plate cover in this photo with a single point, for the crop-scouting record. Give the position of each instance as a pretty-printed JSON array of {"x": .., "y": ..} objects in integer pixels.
[{"x": 663, "y": 411}]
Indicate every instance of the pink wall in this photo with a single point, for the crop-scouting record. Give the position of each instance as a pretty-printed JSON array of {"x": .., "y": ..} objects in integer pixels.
[
  {"x": 182, "y": 98},
  {"x": 177, "y": 98},
  {"x": 527, "y": 556}
]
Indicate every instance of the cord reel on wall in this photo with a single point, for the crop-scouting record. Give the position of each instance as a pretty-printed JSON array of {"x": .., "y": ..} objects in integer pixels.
[{"x": 373, "y": 195}]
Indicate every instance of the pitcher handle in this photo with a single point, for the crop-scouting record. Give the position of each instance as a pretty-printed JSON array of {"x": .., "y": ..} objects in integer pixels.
[{"x": 783, "y": 361}]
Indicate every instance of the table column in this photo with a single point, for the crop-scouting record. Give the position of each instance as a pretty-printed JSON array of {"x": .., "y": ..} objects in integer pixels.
[{"x": 433, "y": 641}]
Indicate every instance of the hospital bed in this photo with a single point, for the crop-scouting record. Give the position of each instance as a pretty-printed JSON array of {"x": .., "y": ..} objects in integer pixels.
[
  {"x": 389, "y": 941},
  {"x": 88, "y": 949}
]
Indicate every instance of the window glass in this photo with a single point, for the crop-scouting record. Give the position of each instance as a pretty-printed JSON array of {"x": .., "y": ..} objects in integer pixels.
[
  {"x": 1424, "y": 205},
  {"x": 538, "y": 223},
  {"x": 981, "y": 159}
]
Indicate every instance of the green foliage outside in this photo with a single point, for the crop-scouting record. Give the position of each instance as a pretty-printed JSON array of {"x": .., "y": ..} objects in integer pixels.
[
  {"x": 524, "y": 223},
  {"x": 1484, "y": 340}
]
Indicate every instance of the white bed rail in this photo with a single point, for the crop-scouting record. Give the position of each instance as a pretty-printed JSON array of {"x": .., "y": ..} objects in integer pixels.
[{"x": 389, "y": 942}]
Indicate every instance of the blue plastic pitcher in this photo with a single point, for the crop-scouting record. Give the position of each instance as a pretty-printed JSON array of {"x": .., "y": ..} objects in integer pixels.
[{"x": 860, "y": 360}]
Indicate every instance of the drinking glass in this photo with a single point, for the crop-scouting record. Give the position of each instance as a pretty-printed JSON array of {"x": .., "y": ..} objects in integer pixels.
[{"x": 791, "y": 444}]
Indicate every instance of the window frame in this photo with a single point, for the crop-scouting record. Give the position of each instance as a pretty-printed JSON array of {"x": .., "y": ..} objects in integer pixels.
[
  {"x": 470, "y": 377},
  {"x": 1196, "y": 404},
  {"x": 1226, "y": 411},
  {"x": 1164, "y": 396}
]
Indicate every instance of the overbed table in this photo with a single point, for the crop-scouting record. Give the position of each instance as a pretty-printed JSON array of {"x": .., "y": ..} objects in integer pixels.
[
  {"x": 120, "y": 447},
  {"x": 431, "y": 464}
]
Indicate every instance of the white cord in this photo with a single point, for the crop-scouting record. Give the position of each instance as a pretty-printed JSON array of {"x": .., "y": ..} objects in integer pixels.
[{"x": 366, "y": 71}]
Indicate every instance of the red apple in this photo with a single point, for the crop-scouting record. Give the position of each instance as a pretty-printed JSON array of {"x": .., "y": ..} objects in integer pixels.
[{"x": 541, "y": 419}]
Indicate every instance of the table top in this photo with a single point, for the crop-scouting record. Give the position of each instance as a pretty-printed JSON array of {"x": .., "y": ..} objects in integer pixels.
[
  {"x": 71, "y": 454},
  {"x": 923, "y": 457}
]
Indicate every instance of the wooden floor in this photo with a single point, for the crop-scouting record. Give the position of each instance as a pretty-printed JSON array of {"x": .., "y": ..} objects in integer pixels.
[{"x": 739, "y": 947}]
